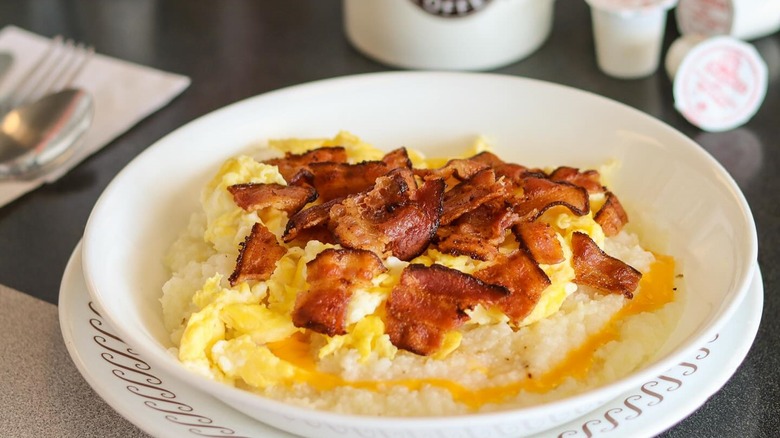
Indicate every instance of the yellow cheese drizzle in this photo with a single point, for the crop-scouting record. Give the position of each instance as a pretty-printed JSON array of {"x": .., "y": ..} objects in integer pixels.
[{"x": 657, "y": 289}]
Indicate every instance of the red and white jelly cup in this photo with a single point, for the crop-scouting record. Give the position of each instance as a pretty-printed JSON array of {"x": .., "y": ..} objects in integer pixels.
[
  {"x": 719, "y": 82},
  {"x": 743, "y": 19}
]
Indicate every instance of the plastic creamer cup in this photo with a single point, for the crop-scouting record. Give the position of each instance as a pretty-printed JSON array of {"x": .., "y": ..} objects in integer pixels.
[
  {"x": 744, "y": 19},
  {"x": 719, "y": 82},
  {"x": 628, "y": 35}
]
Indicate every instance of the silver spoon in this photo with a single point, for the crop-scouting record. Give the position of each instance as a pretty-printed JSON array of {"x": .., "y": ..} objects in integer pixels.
[
  {"x": 6, "y": 60},
  {"x": 37, "y": 137}
]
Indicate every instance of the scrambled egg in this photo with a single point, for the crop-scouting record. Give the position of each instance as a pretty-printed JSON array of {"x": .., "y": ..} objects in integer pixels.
[{"x": 231, "y": 330}]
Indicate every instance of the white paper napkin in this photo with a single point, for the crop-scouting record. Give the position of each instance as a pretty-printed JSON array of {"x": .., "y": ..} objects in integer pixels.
[{"x": 123, "y": 93}]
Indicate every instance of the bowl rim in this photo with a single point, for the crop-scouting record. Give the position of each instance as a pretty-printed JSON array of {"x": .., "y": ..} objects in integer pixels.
[{"x": 158, "y": 356}]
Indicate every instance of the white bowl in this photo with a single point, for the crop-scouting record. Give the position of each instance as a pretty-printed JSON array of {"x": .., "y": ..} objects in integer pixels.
[{"x": 686, "y": 203}]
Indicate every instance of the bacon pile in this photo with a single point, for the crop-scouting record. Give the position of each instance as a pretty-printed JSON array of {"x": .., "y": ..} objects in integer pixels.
[{"x": 384, "y": 208}]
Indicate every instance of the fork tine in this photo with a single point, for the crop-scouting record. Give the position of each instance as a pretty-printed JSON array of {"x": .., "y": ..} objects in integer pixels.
[
  {"x": 26, "y": 85},
  {"x": 82, "y": 55},
  {"x": 54, "y": 70},
  {"x": 51, "y": 69}
]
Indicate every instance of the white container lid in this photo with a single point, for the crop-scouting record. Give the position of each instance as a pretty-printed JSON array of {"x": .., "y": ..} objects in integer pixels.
[
  {"x": 743, "y": 19},
  {"x": 720, "y": 83},
  {"x": 630, "y": 7},
  {"x": 705, "y": 18}
]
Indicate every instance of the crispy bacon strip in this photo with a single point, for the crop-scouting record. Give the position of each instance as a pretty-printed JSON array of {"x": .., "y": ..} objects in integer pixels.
[
  {"x": 390, "y": 192},
  {"x": 313, "y": 217},
  {"x": 470, "y": 194},
  {"x": 511, "y": 171},
  {"x": 356, "y": 220},
  {"x": 541, "y": 241},
  {"x": 415, "y": 223},
  {"x": 257, "y": 256},
  {"x": 290, "y": 199},
  {"x": 595, "y": 268},
  {"x": 524, "y": 279},
  {"x": 291, "y": 164},
  {"x": 397, "y": 158},
  {"x": 337, "y": 180},
  {"x": 541, "y": 194},
  {"x": 303, "y": 178},
  {"x": 392, "y": 218},
  {"x": 590, "y": 180},
  {"x": 333, "y": 277},
  {"x": 611, "y": 215},
  {"x": 318, "y": 232},
  {"x": 461, "y": 169},
  {"x": 478, "y": 233},
  {"x": 430, "y": 301}
]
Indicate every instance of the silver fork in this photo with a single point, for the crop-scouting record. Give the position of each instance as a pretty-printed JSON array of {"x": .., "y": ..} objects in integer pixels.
[{"x": 54, "y": 71}]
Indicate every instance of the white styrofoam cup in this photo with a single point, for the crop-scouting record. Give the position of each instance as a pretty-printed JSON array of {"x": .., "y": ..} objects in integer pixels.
[{"x": 447, "y": 34}]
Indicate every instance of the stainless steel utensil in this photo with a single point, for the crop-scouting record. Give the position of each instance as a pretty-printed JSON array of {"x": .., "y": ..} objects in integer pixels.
[
  {"x": 37, "y": 137},
  {"x": 6, "y": 60},
  {"x": 37, "y": 134}
]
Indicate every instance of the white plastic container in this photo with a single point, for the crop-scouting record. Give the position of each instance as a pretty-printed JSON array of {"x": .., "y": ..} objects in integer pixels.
[
  {"x": 628, "y": 34},
  {"x": 719, "y": 82},
  {"x": 447, "y": 34},
  {"x": 743, "y": 19}
]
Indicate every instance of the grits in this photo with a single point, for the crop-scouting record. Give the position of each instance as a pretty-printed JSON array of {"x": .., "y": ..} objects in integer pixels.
[{"x": 574, "y": 339}]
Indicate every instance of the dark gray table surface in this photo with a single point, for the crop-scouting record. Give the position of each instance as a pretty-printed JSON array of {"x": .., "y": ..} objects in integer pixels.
[{"x": 233, "y": 49}]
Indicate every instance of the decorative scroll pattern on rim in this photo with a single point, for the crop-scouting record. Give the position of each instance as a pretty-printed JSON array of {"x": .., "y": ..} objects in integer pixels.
[
  {"x": 140, "y": 380},
  {"x": 649, "y": 395}
]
